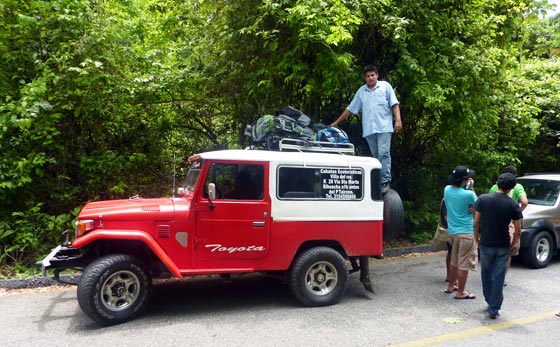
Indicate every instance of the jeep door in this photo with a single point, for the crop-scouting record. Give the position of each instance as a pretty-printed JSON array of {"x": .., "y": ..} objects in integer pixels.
[{"x": 236, "y": 223}]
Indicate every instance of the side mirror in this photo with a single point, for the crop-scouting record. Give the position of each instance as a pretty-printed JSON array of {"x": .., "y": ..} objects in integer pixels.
[
  {"x": 211, "y": 195},
  {"x": 212, "y": 191},
  {"x": 181, "y": 191}
]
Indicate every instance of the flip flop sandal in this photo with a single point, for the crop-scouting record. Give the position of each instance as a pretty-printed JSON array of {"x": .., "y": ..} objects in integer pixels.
[
  {"x": 450, "y": 291},
  {"x": 468, "y": 296}
]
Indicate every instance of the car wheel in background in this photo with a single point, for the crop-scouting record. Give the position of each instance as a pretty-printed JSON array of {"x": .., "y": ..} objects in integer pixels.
[{"x": 540, "y": 251}]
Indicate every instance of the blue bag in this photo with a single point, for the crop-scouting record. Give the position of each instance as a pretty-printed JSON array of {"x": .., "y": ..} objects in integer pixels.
[{"x": 332, "y": 134}]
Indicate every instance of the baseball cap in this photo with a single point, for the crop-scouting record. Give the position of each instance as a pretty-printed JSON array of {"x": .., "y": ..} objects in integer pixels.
[{"x": 462, "y": 172}]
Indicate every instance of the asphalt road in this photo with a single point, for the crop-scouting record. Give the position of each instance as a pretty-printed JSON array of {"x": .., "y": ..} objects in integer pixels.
[{"x": 408, "y": 309}]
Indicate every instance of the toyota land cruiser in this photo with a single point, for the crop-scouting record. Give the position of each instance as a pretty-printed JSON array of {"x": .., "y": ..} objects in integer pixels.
[{"x": 314, "y": 217}]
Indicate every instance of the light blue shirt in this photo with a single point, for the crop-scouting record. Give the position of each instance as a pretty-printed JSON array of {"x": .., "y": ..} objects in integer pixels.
[
  {"x": 376, "y": 106},
  {"x": 457, "y": 202}
]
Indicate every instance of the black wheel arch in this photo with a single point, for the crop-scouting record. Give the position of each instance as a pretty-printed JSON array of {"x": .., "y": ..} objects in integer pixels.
[
  {"x": 320, "y": 243},
  {"x": 136, "y": 248}
]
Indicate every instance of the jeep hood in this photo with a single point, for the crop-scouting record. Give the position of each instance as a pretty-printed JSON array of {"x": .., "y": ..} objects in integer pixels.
[{"x": 161, "y": 209}]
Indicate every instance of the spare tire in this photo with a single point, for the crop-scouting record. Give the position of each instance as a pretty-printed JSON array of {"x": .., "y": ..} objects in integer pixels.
[{"x": 393, "y": 216}]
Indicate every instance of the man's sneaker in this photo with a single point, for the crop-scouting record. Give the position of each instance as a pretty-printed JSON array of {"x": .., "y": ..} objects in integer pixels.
[
  {"x": 385, "y": 187},
  {"x": 493, "y": 314}
]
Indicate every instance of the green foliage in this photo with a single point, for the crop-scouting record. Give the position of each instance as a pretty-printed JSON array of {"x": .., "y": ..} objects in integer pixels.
[
  {"x": 298, "y": 54},
  {"x": 539, "y": 88},
  {"x": 422, "y": 236},
  {"x": 455, "y": 79},
  {"x": 98, "y": 97},
  {"x": 30, "y": 234},
  {"x": 422, "y": 222}
]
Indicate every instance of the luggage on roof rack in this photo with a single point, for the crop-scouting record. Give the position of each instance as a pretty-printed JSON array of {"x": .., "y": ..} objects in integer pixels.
[
  {"x": 297, "y": 145},
  {"x": 292, "y": 130}
]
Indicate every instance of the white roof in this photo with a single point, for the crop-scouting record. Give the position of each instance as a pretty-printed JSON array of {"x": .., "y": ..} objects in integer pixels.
[
  {"x": 293, "y": 158},
  {"x": 541, "y": 176}
]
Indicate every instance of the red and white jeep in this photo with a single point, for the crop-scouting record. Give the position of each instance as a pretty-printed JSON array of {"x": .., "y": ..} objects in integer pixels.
[{"x": 307, "y": 215}]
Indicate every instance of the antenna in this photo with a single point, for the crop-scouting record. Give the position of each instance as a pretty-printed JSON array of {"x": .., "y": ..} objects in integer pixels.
[{"x": 174, "y": 161}]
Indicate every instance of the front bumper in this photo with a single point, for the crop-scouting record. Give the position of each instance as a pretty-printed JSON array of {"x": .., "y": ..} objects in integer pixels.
[
  {"x": 61, "y": 257},
  {"x": 46, "y": 262}
]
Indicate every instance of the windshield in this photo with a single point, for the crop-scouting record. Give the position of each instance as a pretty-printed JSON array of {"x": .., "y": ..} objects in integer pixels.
[
  {"x": 192, "y": 176},
  {"x": 541, "y": 192}
]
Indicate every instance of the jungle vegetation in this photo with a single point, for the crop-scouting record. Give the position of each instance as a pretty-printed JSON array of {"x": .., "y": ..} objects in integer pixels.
[{"x": 102, "y": 99}]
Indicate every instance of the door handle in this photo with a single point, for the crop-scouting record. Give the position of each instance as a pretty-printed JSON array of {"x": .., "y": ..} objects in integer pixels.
[{"x": 259, "y": 224}]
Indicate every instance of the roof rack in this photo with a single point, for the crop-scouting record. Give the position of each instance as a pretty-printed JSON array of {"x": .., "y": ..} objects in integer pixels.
[{"x": 298, "y": 145}]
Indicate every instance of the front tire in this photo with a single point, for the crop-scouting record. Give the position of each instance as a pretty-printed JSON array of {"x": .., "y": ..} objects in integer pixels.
[
  {"x": 539, "y": 253},
  {"x": 114, "y": 289},
  {"x": 318, "y": 277}
]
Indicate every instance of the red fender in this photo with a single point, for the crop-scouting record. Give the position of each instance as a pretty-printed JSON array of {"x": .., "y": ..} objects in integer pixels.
[{"x": 101, "y": 234}]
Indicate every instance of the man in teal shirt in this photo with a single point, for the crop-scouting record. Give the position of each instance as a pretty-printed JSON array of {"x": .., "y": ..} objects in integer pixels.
[{"x": 459, "y": 203}]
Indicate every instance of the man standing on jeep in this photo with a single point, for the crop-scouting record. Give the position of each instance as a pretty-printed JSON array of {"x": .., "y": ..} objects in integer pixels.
[{"x": 377, "y": 102}]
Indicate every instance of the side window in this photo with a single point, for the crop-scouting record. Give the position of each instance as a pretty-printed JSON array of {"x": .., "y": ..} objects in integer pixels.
[
  {"x": 298, "y": 182},
  {"x": 376, "y": 185},
  {"x": 320, "y": 183},
  {"x": 236, "y": 181}
]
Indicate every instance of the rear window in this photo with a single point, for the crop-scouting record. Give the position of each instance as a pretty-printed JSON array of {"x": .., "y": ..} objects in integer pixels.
[{"x": 320, "y": 183}]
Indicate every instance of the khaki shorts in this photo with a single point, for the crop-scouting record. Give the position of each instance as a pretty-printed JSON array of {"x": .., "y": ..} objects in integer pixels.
[
  {"x": 514, "y": 251},
  {"x": 464, "y": 255}
]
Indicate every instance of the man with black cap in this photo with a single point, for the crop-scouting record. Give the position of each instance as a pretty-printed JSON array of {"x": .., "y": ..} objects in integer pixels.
[
  {"x": 459, "y": 203},
  {"x": 494, "y": 212}
]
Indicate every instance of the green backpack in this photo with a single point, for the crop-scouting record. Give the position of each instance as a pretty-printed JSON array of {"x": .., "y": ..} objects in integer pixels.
[{"x": 277, "y": 127}]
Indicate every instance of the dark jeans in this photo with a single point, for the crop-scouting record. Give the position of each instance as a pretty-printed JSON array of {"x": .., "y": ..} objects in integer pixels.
[{"x": 493, "y": 265}]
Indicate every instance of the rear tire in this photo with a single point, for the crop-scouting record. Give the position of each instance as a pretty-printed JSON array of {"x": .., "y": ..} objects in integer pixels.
[
  {"x": 318, "y": 277},
  {"x": 114, "y": 289},
  {"x": 540, "y": 251},
  {"x": 393, "y": 216}
]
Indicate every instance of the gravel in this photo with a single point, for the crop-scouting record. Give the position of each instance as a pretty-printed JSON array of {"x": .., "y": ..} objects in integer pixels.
[{"x": 38, "y": 282}]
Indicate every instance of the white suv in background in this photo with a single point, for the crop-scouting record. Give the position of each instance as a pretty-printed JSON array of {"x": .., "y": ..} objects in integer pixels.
[{"x": 540, "y": 236}]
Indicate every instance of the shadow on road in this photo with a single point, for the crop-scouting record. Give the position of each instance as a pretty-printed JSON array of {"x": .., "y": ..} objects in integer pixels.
[{"x": 193, "y": 296}]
